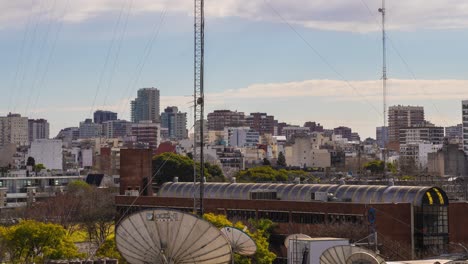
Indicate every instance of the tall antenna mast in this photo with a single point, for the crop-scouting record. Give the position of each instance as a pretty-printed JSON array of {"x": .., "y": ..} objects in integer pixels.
[
  {"x": 384, "y": 87},
  {"x": 199, "y": 101}
]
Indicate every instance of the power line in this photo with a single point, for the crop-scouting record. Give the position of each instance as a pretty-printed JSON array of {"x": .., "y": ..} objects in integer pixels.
[
  {"x": 324, "y": 60},
  {"x": 40, "y": 59},
  {"x": 147, "y": 51},
  {"x": 49, "y": 59},
  {"x": 119, "y": 46},
  {"x": 109, "y": 50}
]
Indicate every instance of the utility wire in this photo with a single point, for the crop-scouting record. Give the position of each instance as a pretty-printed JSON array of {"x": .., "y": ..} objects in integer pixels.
[
  {"x": 324, "y": 60},
  {"x": 109, "y": 50},
  {"x": 29, "y": 50},
  {"x": 146, "y": 53},
  {"x": 42, "y": 54},
  {"x": 20, "y": 59},
  {"x": 49, "y": 59},
  {"x": 119, "y": 46}
]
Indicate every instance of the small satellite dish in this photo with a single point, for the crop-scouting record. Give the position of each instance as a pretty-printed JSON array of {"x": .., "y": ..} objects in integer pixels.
[
  {"x": 294, "y": 236},
  {"x": 164, "y": 236},
  {"x": 241, "y": 243},
  {"x": 350, "y": 255}
]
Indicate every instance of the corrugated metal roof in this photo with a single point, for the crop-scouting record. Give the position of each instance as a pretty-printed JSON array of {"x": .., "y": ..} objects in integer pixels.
[{"x": 303, "y": 192}]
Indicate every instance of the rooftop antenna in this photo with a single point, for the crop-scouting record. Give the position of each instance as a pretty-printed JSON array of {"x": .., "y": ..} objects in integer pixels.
[
  {"x": 199, "y": 102},
  {"x": 384, "y": 87}
]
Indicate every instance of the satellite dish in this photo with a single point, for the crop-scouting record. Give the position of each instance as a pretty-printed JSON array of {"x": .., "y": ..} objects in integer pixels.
[
  {"x": 241, "y": 243},
  {"x": 350, "y": 255},
  {"x": 164, "y": 236},
  {"x": 294, "y": 236}
]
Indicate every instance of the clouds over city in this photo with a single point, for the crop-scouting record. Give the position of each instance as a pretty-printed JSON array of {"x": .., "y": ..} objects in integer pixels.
[{"x": 336, "y": 15}]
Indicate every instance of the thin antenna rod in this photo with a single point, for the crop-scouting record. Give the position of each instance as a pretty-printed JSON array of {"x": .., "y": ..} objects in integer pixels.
[{"x": 384, "y": 87}]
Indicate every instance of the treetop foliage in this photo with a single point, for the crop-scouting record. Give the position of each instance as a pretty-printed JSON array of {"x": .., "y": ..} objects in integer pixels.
[
  {"x": 168, "y": 165},
  {"x": 269, "y": 174},
  {"x": 260, "y": 235}
]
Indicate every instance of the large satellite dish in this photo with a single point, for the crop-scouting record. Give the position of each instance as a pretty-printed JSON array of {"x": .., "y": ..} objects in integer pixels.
[
  {"x": 295, "y": 237},
  {"x": 350, "y": 255},
  {"x": 241, "y": 243},
  {"x": 163, "y": 236}
]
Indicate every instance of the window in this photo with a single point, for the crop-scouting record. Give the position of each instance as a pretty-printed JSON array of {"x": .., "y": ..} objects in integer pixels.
[
  {"x": 308, "y": 218},
  {"x": 275, "y": 216}
]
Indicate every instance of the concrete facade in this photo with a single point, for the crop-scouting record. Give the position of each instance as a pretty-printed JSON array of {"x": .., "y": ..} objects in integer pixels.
[
  {"x": 400, "y": 117},
  {"x": 305, "y": 152},
  {"x": 136, "y": 172},
  {"x": 38, "y": 129},
  {"x": 465, "y": 125},
  {"x": 147, "y": 133},
  {"x": 146, "y": 106},
  {"x": 47, "y": 152},
  {"x": 14, "y": 129},
  {"x": 176, "y": 123},
  {"x": 219, "y": 119}
]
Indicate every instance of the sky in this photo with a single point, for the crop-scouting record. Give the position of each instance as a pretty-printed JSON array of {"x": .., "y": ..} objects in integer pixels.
[{"x": 298, "y": 60}]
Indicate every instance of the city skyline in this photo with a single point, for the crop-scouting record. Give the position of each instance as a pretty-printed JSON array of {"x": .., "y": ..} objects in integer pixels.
[{"x": 300, "y": 62}]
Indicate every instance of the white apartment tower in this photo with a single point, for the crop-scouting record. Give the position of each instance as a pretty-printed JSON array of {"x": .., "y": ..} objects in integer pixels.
[
  {"x": 14, "y": 129},
  {"x": 465, "y": 125}
]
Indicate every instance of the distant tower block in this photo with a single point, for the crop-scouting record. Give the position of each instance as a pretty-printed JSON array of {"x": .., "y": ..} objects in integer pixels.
[{"x": 170, "y": 237}]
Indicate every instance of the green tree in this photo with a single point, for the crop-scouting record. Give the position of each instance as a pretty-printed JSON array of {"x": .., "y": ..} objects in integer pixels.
[
  {"x": 166, "y": 166},
  {"x": 39, "y": 167},
  {"x": 260, "y": 236},
  {"x": 266, "y": 162},
  {"x": 109, "y": 250},
  {"x": 281, "y": 160},
  {"x": 262, "y": 174},
  {"x": 36, "y": 242},
  {"x": 377, "y": 166}
]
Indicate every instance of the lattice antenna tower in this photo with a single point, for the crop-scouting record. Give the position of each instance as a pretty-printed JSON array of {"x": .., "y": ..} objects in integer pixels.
[
  {"x": 199, "y": 102},
  {"x": 384, "y": 86}
]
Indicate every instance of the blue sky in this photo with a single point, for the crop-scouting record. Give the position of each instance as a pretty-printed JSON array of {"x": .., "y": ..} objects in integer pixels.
[{"x": 58, "y": 55}]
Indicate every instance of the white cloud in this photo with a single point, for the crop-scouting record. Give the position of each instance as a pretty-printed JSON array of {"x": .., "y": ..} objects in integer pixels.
[
  {"x": 441, "y": 99},
  {"x": 339, "y": 15}
]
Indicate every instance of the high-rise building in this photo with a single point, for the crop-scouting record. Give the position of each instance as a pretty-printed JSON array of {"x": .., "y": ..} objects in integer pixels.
[
  {"x": 147, "y": 133},
  {"x": 465, "y": 125},
  {"x": 146, "y": 106},
  {"x": 175, "y": 122},
  {"x": 88, "y": 129},
  {"x": 424, "y": 132},
  {"x": 14, "y": 129},
  {"x": 117, "y": 128},
  {"x": 400, "y": 116},
  {"x": 219, "y": 119},
  {"x": 261, "y": 122},
  {"x": 101, "y": 116},
  {"x": 381, "y": 136},
  {"x": 345, "y": 132},
  {"x": 38, "y": 129}
]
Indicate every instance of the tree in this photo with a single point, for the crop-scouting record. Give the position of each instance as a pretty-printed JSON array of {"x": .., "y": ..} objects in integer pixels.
[
  {"x": 168, "y": 165},
  {"x": 266, "y": 162},
  {"x": 260, "y": 235},
  {"x": 39, "y": 167},
  {"x": 269, "y": 174},
  {"x": 377, "y": 166},
  {"x": 281, "y": 160},
  {"x": 109, "y": 250},
  {"x": 36, "y": 242}
]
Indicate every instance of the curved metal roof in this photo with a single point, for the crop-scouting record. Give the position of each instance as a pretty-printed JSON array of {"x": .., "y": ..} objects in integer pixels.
[{"x": 417, "y": 195}]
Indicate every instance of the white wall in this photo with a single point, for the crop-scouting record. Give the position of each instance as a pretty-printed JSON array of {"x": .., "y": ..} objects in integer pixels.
[{"x": 47, "y": 152}]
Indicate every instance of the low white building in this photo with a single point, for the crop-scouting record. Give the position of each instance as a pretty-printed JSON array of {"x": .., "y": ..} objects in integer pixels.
[
  {"x": 241, "y": 137},
  {"x": 306, "y": 153},
  {"x": 47, "y": 152},
  {"x": 417, "y": 152}
]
